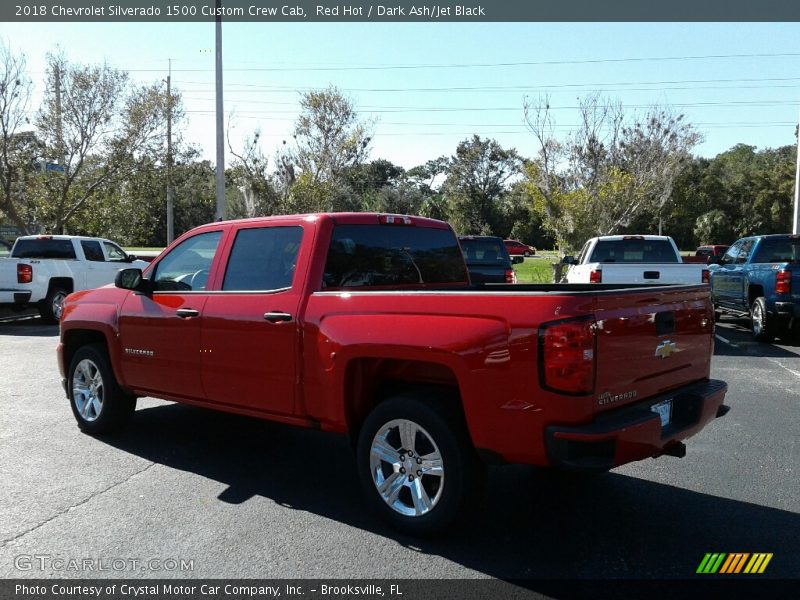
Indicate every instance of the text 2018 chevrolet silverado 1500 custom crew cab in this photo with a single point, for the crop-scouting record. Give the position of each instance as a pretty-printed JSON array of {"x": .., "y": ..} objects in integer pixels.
[{"x": 365, "y": 324}]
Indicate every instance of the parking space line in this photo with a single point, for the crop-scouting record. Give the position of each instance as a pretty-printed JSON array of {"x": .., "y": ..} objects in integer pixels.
[{"x": 726, "y": 341}]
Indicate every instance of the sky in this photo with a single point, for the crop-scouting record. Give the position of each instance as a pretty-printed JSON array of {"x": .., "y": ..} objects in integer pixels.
[{"x": 428, "y": 86}]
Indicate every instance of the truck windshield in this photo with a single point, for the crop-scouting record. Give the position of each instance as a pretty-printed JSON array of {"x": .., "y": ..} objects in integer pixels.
[
  {"x": 387, "y": 255},
  {"x": 484, "y": 251},
  {"x": 633, "y": 251},
  {"x": 778, "y": 250},
  {"x": 43, "y": 248}
]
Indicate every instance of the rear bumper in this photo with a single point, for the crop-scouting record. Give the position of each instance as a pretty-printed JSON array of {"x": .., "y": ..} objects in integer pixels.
[
  {"x": 15, "y": 297},
  {"x": 787, "y": 309},
  {"x": 634, "y": 432}
]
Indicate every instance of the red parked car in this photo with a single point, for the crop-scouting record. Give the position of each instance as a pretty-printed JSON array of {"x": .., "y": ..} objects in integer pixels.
[
  {"x": 516, "y": 248},
  {"x": 707, "y": 254}
]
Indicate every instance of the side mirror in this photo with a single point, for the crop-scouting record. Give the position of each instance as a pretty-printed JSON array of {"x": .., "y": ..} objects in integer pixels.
[
  {"x": 568, "y": 260},
  {"x": 516, "y": 259},
  {"x": 714, "y": 260},
  {"x": 129, "y": 258},
  {"x": 131, "y": 279}
]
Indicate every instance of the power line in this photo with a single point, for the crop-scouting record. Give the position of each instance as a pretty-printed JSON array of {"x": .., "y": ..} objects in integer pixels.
[
  {"x": 278, "y": 88},
  {"x": 487, "y": 65},
  {"x": 450, "y": 109}
]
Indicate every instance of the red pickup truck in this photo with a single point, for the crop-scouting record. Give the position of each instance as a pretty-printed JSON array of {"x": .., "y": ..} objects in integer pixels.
[{"x": 366, "y": 324}]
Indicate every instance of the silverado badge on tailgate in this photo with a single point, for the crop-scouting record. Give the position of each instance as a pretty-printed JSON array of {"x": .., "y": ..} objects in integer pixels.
[{"x": 666, "y": 349}]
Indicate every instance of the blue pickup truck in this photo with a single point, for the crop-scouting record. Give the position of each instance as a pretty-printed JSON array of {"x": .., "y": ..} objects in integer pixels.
[{"x": 759, "y": 277}]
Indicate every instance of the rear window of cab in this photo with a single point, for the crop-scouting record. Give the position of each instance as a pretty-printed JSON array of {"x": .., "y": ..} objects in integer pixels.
[{"x": 385, "y": 255}]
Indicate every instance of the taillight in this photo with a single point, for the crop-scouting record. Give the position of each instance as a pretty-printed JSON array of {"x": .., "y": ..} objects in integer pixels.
[
  {"x": 596, "y": 276},
  {"x": 511, "y": 277},
  {"x": 706, "y": 276},
  {"x": 783, "y": 282},
  {"x": 566, "y": 356},
  {"x": 24, "y": 273}
]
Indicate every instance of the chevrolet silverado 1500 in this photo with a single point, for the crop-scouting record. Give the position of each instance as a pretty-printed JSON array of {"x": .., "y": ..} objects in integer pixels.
[
  {"x": 43, "y": 269},
  {"x": 365, "y": 324},
  {"x": 759, "y": 277},
  {"x": 632, "y": 259}
]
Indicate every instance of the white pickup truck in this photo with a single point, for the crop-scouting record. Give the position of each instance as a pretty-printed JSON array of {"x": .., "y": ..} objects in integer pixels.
[
  {"x": 43, "y": 269},
  {"x": 632, "y": 259}
]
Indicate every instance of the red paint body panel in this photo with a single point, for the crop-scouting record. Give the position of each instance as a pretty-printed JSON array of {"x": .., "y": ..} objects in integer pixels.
[{"x": 316, "y": 368}]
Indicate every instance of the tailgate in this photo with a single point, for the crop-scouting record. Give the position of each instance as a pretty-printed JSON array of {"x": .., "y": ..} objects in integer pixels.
[
  {"x": 649, "y": 342},
  {"x": 683, "y": 273}
]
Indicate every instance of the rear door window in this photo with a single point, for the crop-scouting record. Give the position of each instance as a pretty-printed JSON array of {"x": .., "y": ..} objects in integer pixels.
[
  {"x": 263, "y": 259},
  {"x": 92, "y": 251},
  {"x": 387, "y": 255}
]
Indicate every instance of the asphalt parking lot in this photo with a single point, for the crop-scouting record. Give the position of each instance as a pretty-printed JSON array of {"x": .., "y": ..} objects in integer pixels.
[{"x": 240, "y": 498}]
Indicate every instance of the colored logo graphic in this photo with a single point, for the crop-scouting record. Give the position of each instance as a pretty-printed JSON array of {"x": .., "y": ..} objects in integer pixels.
[{"x": 736, "y": 562}]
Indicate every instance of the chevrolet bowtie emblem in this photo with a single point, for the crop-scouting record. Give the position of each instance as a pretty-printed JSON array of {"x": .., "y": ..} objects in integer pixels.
[{"x": 666, "y": 349}]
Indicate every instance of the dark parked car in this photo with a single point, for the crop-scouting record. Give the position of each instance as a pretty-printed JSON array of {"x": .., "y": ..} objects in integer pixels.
[
  {"x": 487, "y": 259},
  {"x": 516, "y": 248}
]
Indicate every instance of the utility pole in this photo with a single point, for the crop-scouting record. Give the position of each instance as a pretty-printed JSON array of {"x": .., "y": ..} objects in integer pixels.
[
  {"x": 170, "y": 191},
  {"x": 59, "y": 122},
  {"x": 797, "y": 183},
  {"x": 221, "y": 208},
  {"x": 62, "y": 159}
]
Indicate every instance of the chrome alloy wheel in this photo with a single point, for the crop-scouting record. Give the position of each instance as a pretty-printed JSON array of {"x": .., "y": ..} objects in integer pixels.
[
  {"x": 758, "y": 319},
  {"x": 88, "y": 390},
  {"x": 57, "y": 304},
  {"x": 406, "y": 468}
]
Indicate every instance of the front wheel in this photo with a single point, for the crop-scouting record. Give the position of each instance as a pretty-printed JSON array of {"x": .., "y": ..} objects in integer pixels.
[
  {"x": 762, "y": 323},
  {"x": 97, "y": 401},
  {"x": 416, "y": 464}
]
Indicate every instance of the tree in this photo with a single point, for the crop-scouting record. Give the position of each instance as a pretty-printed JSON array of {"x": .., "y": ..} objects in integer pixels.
[
  {"x": 249, "y": 174},
  {"x": 96, "y": 124},
  {"x": 610, "y": 170},
  {"x": 133, "y": 212},
  {"x": 19, "y": 149},
  {"x": 329, "y": 136},
  {"x": 713, "y": 227},
  {"x": 476, "y": 179}
]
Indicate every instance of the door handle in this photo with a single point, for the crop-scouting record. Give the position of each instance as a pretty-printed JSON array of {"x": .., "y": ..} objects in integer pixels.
[
  {"x": 185, "y": 313},
  {"x": 277, "y": 317}
]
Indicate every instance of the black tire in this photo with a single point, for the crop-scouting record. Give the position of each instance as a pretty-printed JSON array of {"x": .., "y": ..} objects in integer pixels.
[
  {"x": 51, "y": 307},
  {"x": 450, "y": 494},
  {"x": 98, "y": 403},
  {"x": 761, "y": 322}
]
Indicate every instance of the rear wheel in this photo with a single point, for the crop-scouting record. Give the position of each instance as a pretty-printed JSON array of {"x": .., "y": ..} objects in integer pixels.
[
  {"x": 53, "y": 305},
  {"x": 97, "y": 401},
  {"x": 416, "y": 464},
  {"x": 762, "y": 324}
]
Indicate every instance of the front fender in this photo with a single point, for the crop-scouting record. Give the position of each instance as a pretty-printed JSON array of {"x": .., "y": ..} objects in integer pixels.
[{"x": 87, "y": 320}]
